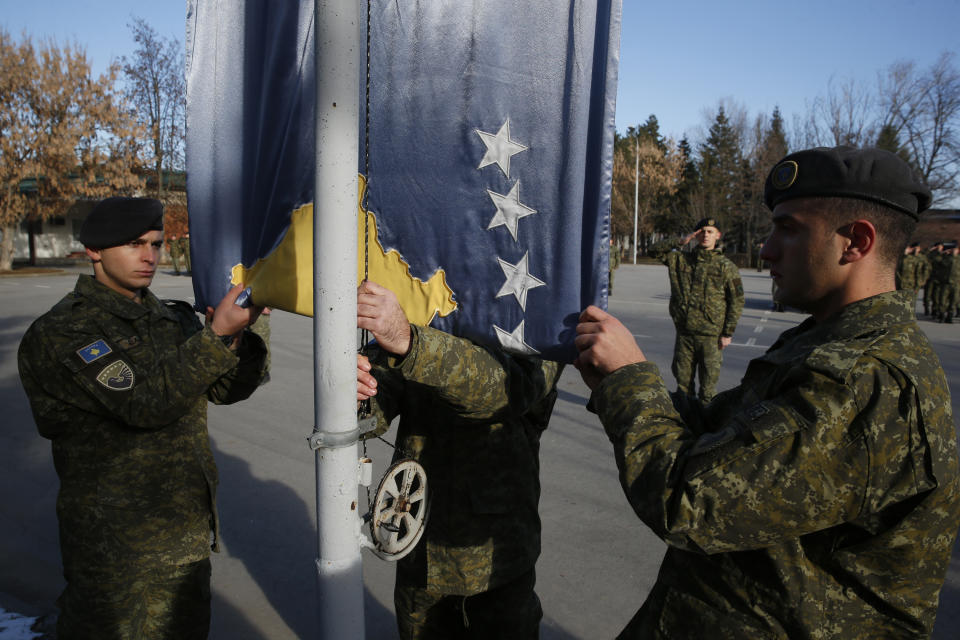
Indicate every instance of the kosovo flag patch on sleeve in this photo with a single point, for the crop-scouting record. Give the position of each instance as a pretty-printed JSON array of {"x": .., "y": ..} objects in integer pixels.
[{"x": 94, "y": 351}]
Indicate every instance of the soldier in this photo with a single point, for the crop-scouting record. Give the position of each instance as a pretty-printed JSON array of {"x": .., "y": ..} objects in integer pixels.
[
  {"x": 185, "y": 251},
  {"x": 472, "y": 416},
  {"x": 173, "y": 243},
  {"x": 931, "y": 295},
  {"x": 613, "y": 264},
  {"x": 911, "y": 271},
  {"x": 818, "y": 499},
  {"x": 119, "y": 382},
  {"x": 949, "y": 288},
  {"x": 706, "y": 299}
]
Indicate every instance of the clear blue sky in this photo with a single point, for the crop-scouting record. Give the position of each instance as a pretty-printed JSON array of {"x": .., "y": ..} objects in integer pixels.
[{"x": 678, "y": 57}]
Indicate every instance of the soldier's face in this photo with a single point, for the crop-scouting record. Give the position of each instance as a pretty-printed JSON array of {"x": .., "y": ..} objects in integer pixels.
[
  {"x": 129, "y": 267},
  {"x": 708, "y": 237},
  {"x": 804, "y": 253}
]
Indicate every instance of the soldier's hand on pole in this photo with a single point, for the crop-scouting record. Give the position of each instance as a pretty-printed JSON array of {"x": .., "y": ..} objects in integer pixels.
[
  {"x": 380, "y": 313},
  {"x": 366, "y": 383}
]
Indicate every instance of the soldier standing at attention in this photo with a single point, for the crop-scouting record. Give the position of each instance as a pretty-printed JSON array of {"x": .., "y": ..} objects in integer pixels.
[
  {"x": 706, "y": 299},
  {"x": 173, "y": 243},
  {"x": 820, "y": 498},
  {"x": 949, "y": 288},
  {"x": 472, "y": 416},
  {"x": 931, "y": 292},
  {"x": 119, "y": 382},
  {"x": 614, "y": 263},
  {"x": 185, "y": 250}
]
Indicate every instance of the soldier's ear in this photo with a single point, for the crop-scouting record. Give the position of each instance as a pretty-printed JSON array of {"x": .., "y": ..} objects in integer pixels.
[
  {"x": 861, "y": 240},
  {"x": 93, "y": 254}
]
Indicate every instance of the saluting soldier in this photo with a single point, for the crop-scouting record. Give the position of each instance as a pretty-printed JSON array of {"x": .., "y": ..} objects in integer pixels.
[
  {"x": 119, "y": 382},
  {"x": 820, "y": 498},
  {"x": 706, "y": 299},
  {"x": 911, "y": 272}
]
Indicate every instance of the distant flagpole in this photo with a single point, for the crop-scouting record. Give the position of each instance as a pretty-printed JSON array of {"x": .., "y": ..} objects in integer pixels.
[{"x": 339, "y": 567}]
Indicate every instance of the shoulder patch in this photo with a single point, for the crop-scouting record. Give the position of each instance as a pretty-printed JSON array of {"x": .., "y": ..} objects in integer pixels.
[
  {"x": 94, "y": 351},
  {"x": 116, "y": 376}
]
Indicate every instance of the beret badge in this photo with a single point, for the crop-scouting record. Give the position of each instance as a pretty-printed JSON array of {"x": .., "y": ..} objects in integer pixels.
[{"x": 784, "y": 174}]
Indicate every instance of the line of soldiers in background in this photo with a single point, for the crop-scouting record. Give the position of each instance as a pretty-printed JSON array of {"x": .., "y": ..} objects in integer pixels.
[
  {"x": 937, "y": 271},
  {"x": 179, "y": 248}
]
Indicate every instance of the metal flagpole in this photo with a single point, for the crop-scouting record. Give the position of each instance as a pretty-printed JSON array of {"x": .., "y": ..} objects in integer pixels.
[
  {"x": 636, "y": 199},
  {"x": 335, "y": 436}
]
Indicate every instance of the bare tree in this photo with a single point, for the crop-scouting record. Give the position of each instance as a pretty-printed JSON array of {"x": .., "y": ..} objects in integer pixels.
[
  {"x": 845, "y": 115},
  {"x": 923, "y": 109},
  {"x": 156, "y": 89},
  {"x": 72, "y": 138}
]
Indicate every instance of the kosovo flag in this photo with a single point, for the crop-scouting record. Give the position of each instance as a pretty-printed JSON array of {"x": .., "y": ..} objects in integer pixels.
[{"x": 485, "y": 184}]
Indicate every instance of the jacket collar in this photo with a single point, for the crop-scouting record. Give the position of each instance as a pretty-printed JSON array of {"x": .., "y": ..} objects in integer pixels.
[{"x": 88, "y": 287}]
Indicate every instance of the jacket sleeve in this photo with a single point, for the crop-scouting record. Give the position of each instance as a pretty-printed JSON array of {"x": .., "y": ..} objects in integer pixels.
[
  {"x": 664, "y": 251},
  {"x": 478, "y": 383},
  {"x": 58, "y": 382},
  {"x": 241, "y": 381},
  {"x": 777, "y": 470},
  {"x": 733, "y": 292}
]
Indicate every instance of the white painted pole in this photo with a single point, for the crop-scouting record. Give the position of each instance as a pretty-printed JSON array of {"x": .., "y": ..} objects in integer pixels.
[
  {"x": 636, "y": 193},
  {"x": 339, "y": 567}
]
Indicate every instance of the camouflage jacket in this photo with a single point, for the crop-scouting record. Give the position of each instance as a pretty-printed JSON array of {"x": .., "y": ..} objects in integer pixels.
[
  {"x": 472, "y": 417},
  {"x": 912, "y": 272},
  {"x": 706, "y": 293},
  {"x": 121, "y": 390},
  {"x": 818, "y": 499},
  {"x": 940, "y": 268}
]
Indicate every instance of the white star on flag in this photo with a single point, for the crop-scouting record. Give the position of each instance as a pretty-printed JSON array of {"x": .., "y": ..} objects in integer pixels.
[
  {"x": 518, "y": 281},
  {"x": 513, "y": 341},
  {"x": 509, "y": 209},
  {"x": 499, "y": 148}
]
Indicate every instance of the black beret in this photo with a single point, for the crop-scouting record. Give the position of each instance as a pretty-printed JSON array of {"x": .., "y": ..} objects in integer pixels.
[
  {"x": 707, "y": 222},
  {"x": 115, "y": 221},
  {"x": 847, "y": 172}
]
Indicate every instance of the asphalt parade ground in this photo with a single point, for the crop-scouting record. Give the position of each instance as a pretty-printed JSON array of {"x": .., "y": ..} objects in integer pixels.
[{"x": 598, "y": 561}]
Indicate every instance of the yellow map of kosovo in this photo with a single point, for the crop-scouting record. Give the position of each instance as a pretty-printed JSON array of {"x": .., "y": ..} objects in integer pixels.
[{"x": 284, "y": 279}]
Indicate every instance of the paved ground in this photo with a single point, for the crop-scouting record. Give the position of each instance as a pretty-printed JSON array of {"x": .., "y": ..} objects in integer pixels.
[{"x": 598, "y": 563}]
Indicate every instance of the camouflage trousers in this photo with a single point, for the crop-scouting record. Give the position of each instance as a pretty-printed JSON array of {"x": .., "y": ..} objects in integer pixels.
[
  {"x": 930, "y": 298},
  {"x": 509, "y": 612},
  {"x": 165, "y": 603},
  {"x": 947, "y": 299},
  {"x": 695, "y": 355}
]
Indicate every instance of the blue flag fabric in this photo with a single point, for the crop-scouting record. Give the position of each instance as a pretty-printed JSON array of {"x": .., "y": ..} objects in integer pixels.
[{"x": 490, "y": 142}]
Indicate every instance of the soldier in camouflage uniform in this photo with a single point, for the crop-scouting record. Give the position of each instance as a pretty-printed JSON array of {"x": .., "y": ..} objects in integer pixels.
[
  {"x": 119, "y": 382},
  {"x": 184, "y": 243},
  {"x": 472, "y": 416},
  {"x": 949, "y": 287},
  {"x": 820, "y": 498},
  {"x": 931, "y": 292},
  {"x": 913, "y": 270},
  {"x": 173, "y": 242},
  {"x": 613, "y": 264},
  {"x": 706, "y": 299}
]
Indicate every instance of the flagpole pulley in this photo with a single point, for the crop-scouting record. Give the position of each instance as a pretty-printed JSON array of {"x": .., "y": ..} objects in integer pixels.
[{"x": 398, "y": 512}]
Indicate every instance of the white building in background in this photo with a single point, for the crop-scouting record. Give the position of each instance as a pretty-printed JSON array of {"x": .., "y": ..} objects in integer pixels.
[{"x": 54, "y": 238}]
